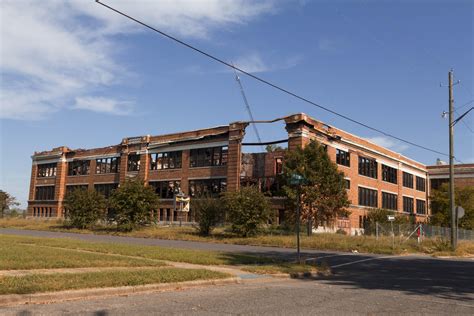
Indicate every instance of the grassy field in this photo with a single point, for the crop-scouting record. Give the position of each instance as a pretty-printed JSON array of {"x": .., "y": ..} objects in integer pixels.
[
  {"x": 36, "y": 283},
  {"x": 59, "y": 248},
  {"x": 21, "y": 256},
  {"x": 336, "y": 242}
]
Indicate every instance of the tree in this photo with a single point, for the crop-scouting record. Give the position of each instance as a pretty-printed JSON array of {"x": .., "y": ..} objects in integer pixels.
[
  {"x": 247, "y": 210},
  {"x": 133, "y": 203},
  {"x": 441, "y": 214},
  {"x": 6, "y": 201},
  {"x": 84, "y": 208},
  {"x": 208, "y": 213},
  {"x": 323, "y": 194}
]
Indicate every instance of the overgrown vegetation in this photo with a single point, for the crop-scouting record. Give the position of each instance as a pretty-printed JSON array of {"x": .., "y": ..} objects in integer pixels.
[
  {"x": 84, "y": 208},
  {"x": 133, "y": 203},
  {"x": 323, "y": 195},
  {"x": 336, "y": 242},
  {"x": 208, "y": 212},
  {"x": 440, "y": 206},
  {"x": 247, "y": 210}
]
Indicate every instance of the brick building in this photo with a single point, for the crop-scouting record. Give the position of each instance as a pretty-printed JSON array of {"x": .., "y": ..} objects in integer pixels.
[
  {"x": 211, "y": 161},
  {"x": 439, "y": 174}
]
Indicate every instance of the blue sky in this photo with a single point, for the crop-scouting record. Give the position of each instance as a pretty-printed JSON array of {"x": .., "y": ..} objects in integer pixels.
[{"x": 74, "y": 73}]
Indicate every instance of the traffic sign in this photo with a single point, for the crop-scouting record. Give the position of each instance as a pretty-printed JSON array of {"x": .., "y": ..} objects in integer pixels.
[{"x": 460, "y": 211}]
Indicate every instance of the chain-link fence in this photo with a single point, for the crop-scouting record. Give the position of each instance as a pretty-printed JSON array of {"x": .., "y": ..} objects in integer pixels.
[{"x": 407, "y": 231}]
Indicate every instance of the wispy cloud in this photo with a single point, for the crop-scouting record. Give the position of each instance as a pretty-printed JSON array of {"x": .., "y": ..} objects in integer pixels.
[
  {"x": 103, "y": 105},
  {"x": 60, "y": 53},
  {"x": 388, "y": 143},
  {"x": 254, "y": 63}
]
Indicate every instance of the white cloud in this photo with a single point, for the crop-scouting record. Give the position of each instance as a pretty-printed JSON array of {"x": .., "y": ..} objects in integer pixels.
[
  {"x": 388, "y": 143},
  {"x": 103, "y": 105},
  {"x": 254, "y": 63},
  {"x": 58, "y": 52},
  {"x": 327, "y": 45}
]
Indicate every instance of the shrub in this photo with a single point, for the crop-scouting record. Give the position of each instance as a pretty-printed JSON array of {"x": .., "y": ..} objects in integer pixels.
[
  {"x": 208, "y": 213},
  {"x": 247, "y": 210},
  {"x": 84, "y": 208},
  {"x": 133, "y": 203}
]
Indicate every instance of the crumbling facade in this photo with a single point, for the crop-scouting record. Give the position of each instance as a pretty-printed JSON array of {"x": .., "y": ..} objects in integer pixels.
[{"x": 211, "y": 161}]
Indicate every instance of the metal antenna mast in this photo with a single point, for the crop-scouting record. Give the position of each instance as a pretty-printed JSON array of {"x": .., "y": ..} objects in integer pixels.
[{"x": 247, "y": 107}]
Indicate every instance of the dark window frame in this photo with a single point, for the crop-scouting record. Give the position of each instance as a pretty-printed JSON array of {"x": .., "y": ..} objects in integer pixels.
[
  {"x": 420, "y": 184},
  {"x": 45, "y": 193},
  {"x": 73, "y": 187},
  {"x": 368, "y": 197},
  {"x": 166, "y": 189},
  {"x": 368, "y": 167},
  {"x": 78, "y": 168},
  {"x": 420, "y": 207},
  {"x": 207, "y": 187},
  {"x": 343, "y": 158},
  {"x": 407, "y": 180},
  {"x": 389, "y": 174},
  {"x": 133, "y": 162},
  {"x": 166, "y": 160},
  {"x": 208, "y": 157},
  {"x": 408, "y": 205},
  {"x": 47, "y": 170},
  {"x": 389, "y": 201},
  {"x": 107, "y": 165}
]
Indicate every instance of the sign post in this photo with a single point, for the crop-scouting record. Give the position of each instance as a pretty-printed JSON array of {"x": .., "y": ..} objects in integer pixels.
[
  {"x": 391, "y": 219},
  {"x": 183, "y": 205},
  {"x": 297, "y": 180}
]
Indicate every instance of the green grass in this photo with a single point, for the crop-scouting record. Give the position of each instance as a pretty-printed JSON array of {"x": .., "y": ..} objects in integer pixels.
[
  {"x": 47, "y": 283},
  {"x": 19, "y": 256},
  {"x": 147, "y": 252},
  {"x": 334, "y": 242}
]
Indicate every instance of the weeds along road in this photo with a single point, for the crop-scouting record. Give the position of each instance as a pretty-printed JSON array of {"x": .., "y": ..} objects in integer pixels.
[{"x": 368, "y": 283}]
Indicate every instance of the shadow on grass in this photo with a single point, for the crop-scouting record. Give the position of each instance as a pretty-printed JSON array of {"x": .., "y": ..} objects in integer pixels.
[{"x": 447, "y": 279}]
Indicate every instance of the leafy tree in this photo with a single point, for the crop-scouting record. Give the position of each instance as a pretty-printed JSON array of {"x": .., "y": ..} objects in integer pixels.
[
  {"x": 441, "y": 215},
  {"x": 323, "y": 194},
  {"x": 273, "y": 148},
  {"x": 208, "y": 213},
  {"x": 6, "y": 202},
  {"x": 84, "y": 208},
  {"x": 247, "y": 210},
  {"x": 133, "y": 203}
]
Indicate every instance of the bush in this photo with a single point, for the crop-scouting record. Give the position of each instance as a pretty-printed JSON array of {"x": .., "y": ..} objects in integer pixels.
[
  {"x": 247, "y": 210},
  {"x": 208, "y": 213},
  {"x": 84, "y": 208},
  {"x": 133, "y": 203}
]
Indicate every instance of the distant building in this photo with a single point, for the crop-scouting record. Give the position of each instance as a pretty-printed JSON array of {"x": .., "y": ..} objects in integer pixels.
[
  {"x": 439, "y": 174},
  {"x": 210, "y": 161}
]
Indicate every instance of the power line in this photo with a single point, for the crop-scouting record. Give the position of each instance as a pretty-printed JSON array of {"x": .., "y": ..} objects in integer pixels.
[
  {"x": 269, "y": 83},
  {"x": 467, "y": 103},
  {"x": 467, "y": 126}
]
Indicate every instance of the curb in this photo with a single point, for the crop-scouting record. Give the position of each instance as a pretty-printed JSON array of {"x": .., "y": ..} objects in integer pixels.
[{"x": 52, "y": 297}]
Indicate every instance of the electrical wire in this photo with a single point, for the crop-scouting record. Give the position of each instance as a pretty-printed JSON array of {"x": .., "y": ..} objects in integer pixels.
[{"x": 219, "y": 60}]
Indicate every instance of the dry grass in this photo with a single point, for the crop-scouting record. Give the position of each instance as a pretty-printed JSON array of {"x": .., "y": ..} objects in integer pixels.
[
  {"x": 43, "y": 245},
  {"x": 335, "y": 242},
  {"x": 57, "y": 282}
]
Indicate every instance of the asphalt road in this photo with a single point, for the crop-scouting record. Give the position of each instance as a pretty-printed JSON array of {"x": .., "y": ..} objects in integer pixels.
[{"x": 360, "y": 284}]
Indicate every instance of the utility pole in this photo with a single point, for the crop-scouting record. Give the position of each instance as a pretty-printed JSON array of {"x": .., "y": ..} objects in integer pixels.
[{"x": 451, "y": 163}]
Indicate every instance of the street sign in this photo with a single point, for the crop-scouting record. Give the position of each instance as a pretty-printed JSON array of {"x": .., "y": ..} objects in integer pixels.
[
  {"x": 390, "y": 218},
  {"x": 460, "y": 211}
]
